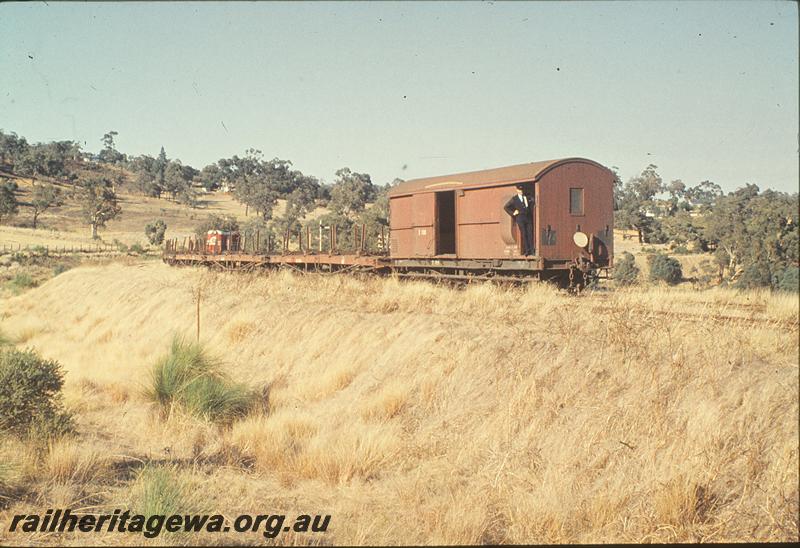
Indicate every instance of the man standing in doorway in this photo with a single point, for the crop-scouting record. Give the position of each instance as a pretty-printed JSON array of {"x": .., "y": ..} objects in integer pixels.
[{"x": 520, "y": 207}]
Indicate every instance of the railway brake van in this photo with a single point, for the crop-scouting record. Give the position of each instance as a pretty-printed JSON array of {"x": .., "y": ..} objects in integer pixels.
[{"x": 457, "y": 224}]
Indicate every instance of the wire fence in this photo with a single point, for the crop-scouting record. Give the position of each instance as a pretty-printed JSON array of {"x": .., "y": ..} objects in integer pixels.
[{"x": 47, "y": 249}]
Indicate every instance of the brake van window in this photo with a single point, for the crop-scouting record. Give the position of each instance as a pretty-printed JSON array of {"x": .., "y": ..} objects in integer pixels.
[{"x": 576, "y": 201}]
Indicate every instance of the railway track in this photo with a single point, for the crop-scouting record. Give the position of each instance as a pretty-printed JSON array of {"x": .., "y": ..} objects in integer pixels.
[{"x": 738, "y": 321}]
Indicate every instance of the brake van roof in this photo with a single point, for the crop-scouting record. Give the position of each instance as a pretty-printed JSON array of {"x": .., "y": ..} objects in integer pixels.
[{"x": 488, "y": 177}]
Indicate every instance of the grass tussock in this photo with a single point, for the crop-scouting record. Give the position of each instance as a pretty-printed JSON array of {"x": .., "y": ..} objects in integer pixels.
[
  {"x": 188, "y": 377},
  {"x": 159, "y": 491},
  {"x": 21, "y": 282},
  {"x": 70, "y": 461},
  {"x": 388, "y": 401},
  {"x": 19, "y": 465},
  {"x": 363, "y": 453},
  {"x": 276, "y": 443}
]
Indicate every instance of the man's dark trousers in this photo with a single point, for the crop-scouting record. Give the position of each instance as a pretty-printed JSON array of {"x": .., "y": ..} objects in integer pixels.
[{"x": 525, "y": 229}]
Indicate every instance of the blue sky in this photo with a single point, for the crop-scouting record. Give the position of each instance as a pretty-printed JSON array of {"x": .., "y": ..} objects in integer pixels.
[{"x": 702, "y": 90}]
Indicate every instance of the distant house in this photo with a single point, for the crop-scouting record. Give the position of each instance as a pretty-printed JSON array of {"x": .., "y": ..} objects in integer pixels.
[
  {"x": 658, "y": 209},
  {"x": 652, "y": 210},
  {"x": 198, "y": 186}
]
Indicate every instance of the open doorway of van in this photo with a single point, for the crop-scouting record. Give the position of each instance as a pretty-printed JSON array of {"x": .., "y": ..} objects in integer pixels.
[
  {"x": 529, "y": 191},
  {"x": 446, "y": 223}
]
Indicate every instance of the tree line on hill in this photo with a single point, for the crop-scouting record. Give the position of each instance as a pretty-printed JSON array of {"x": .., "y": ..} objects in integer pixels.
[
  {"x": 753, "y": 234},
  {"x": 256, "y": 182},
  {"x": 259, "y": 184},
  {"x": 58, "y": 170}
]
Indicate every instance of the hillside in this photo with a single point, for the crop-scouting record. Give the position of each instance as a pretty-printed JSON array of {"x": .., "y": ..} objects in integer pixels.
[
  {"x": 65, "y": 226},
  {"x": 414, "y": 413}
]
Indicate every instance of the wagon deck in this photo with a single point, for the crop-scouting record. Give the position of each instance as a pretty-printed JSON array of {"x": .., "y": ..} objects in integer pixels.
[{"x": 441, "y": 268}]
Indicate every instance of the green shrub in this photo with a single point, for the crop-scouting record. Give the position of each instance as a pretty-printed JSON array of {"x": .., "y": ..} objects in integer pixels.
[
  {"x": 23, "y": 279},
  {"x": 625, "y": 270},
  {"x": 789, "y": 279},
  {"x": 681, "y": 250},
  {"x": 121, "y": 247},
  {"x": 60, "y": 268},
  {"x": 664, "y": 268},
  {"x": 155, "y": 231},
  {"x": 188, "y": 377},
  {"x": 754, "y": 275},
  {"x": 21, "y": 282},
  {"x": 136, "y": 248},
  {"x": 30, "y": 395}
]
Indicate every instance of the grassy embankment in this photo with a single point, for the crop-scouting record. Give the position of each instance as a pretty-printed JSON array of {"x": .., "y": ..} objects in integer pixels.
[{"x": 420, "y": 414}]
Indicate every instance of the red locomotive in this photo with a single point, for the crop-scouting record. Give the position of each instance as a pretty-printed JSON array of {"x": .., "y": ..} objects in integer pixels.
[{"x": 221, "y": 241}]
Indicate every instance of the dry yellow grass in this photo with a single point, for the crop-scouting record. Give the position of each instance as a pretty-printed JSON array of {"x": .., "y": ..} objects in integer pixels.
[
  {"x": 414, "y": 413},
  {"x": 70, "y": 461},
  {"x": 128, "y": 228}
]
